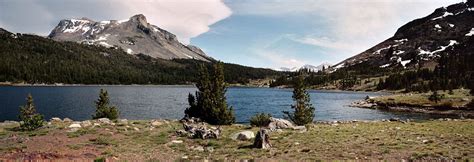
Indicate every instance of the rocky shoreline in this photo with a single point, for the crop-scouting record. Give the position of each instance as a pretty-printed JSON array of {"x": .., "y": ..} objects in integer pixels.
[{"x": 453, "y": 112}]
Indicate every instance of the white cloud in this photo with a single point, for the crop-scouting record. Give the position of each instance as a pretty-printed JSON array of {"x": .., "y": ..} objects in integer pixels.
[
  {"x": 326, "y": 42},
  {"x": 353, "y": 25},
  {"x": 185, "y": 18}
]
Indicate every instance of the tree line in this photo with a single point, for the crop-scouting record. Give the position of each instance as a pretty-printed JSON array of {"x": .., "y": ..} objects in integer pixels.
[{"x": 34, "y": 59}]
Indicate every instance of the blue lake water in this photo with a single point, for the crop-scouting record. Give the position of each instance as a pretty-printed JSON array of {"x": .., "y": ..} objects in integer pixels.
[{"x": 169, "y": 102}]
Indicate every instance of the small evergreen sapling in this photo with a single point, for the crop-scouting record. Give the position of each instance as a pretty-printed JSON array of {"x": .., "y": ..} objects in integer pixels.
[
  {"x": 103, "y": 110},
  {"x": 30, "y": 120}
]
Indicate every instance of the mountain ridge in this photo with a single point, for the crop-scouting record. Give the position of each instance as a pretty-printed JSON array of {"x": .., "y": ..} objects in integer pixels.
[
  {"x": 134, "y": 35},
  {"x": 419, "y": 43}
]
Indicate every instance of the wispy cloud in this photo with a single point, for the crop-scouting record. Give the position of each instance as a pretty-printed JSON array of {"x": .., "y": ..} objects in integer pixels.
[
  {"x": 352, "y": 25},
  {"x": 326, "y": 42},
  {"x": 185, "y": 18},
  {"x": 278, "y": 59}
]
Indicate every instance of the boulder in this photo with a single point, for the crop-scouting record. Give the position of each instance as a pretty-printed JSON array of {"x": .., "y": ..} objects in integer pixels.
[
  {"x": 86, "y": 123},
  {"x": 300, "y": 128},
  {"x": 198, "y": 148},
  {"x": 190, "y": 120},
  {"x": 104, "y": 120},
  {"x": 243, "y": 136},
  {"x": 56, "y": 119},
  {"x": 262, "y": 140},
  {"x": 75, "y": 125},
  {"x": 176, "y": 141},
  {"x": 123, "y": 121},
  {"x": 67, "y": 120},
  {"x": 156, "y": 123},
  {"x": 276, "y": 123}
]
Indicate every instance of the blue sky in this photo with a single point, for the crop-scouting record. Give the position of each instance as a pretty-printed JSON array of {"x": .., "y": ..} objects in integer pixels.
[
  {"x": 293, "y": 33},
  {"x": 258, "y": 33}
]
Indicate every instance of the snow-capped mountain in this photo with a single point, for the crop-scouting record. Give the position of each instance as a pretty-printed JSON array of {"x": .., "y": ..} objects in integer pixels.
[
  {"x": 307, "y": 66},
  {"x": 421, "y": 42},
  {"x": 134, "y": 35}
]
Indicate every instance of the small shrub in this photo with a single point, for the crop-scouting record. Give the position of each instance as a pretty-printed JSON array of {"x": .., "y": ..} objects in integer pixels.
[
  {"x": 103, "y": 110},
  {"x": 260, "y": 120},
  {"x": 435, "y": 97},
  {"x": 445, "y": 106},
  {"x": 30, "y": 120},
  {"x": 103, "y": 141}
]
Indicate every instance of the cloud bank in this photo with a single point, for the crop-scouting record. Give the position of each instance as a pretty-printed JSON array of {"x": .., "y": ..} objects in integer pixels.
[
  {"x": 185, "y": 18},
  {"x": 350, "y": 26}
]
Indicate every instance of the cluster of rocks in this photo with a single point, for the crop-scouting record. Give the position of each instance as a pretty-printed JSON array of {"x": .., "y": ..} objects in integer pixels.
[
  {"x": 363, "y": 104},
  {"x": 74, "y": 126},
  {"x": 195, "y": 128}
]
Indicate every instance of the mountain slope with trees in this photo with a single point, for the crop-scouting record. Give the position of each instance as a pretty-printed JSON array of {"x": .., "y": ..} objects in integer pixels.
[
  {"x": 431, "y": 53},
  {"x": 34, "y": 59}
]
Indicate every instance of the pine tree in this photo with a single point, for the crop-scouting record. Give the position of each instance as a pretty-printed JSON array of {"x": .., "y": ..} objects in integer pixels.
[
  {"x": 103, "y": 110},
  {"x": 30, "y": 119},
  {"x": 303, "y": 109},
  {"x": 210, "y": 103},
  {"x": 223, "y": 115}
]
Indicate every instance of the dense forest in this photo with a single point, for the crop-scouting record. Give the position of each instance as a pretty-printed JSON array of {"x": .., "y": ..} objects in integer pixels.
[{"x": 34, "y": 59}]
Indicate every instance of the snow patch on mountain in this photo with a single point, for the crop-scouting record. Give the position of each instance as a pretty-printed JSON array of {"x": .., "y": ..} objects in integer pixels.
[
  {"x": 446, "y": 14},
  {"x": 441, "y": 48},
  {"x": 471, "y": 33},
  {"x": 307, "y": 66}
]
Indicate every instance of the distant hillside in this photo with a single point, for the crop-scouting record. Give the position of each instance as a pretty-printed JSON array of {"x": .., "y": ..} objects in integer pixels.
[
  {"x": 34, "y": 59},
  {"x": 421, "y": 42},
  {"x": 431, "y": 53}
]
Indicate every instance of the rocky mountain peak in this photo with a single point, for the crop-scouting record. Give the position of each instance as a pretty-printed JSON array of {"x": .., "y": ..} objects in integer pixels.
[
  {"x": 140, "y": 19},
  {"x": 135, "y": 35}
]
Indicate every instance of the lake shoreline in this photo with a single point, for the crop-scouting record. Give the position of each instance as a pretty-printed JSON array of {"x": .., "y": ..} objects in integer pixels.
[{"x": 454, "y": 104}]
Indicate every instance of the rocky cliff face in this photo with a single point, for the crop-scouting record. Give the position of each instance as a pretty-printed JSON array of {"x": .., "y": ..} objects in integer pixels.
[
  {"x": 134, "y": 36},
  {"x": 420, "y": 42}
]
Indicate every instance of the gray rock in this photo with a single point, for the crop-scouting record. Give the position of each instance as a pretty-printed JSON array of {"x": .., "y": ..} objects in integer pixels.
[
  {"x": 198, "y": 148},
  {"x": 300, "y": 128},
  {"x": 74, "y": 125},
  {"x": 123, "y": 121},
  {"x": 86, "y": 123},
  {"x": 177, "y": 141},
  {"x": 7, "y": 122},
  {"x": 67, "y": 120},
  {"x": 243, "y": 136},
  {"x": 156, "y": 123},
  {"x": 104, "y": 120},
  {"x": 277, "y": 123},
  {"x": 56, "y": 119}
]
